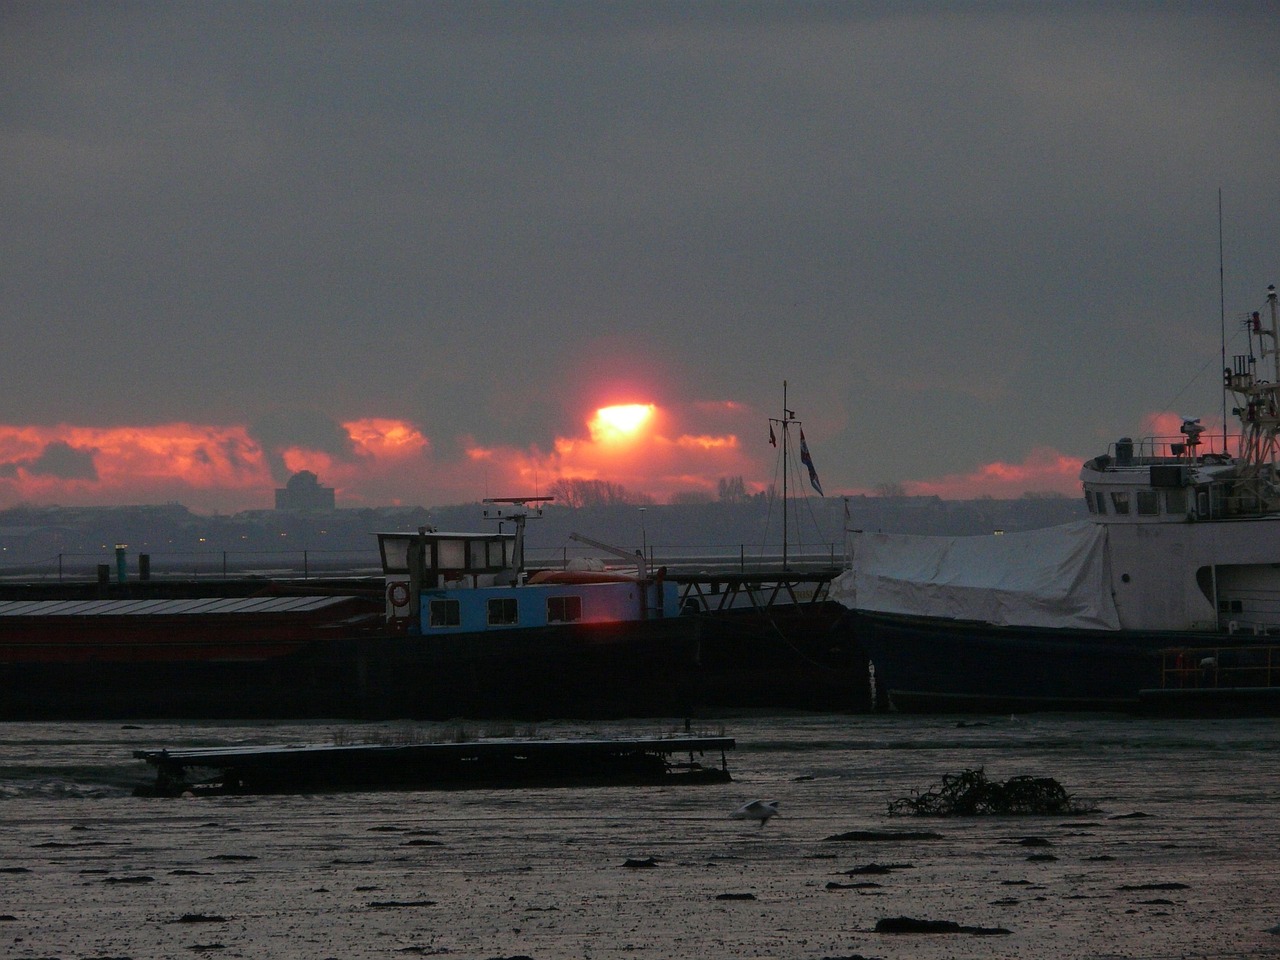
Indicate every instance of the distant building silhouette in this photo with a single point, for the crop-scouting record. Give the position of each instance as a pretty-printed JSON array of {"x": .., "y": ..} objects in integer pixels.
[{"x": 304, "y": 492}]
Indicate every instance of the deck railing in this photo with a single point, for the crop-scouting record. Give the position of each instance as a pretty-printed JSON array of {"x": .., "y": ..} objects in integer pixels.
[
  {"x": 309, "y": 563},
  {"x": 1196, "y": 668}
]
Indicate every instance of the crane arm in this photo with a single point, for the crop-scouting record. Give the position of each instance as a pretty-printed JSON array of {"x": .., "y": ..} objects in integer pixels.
[{"x": 637, "y": 558}]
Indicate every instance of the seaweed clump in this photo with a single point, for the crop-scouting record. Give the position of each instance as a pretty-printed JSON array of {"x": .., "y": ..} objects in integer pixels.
[{"x": 970, "y": 793}]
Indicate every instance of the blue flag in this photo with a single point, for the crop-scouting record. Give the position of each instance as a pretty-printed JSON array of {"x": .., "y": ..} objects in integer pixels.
[{"x": 808, "y": 462}]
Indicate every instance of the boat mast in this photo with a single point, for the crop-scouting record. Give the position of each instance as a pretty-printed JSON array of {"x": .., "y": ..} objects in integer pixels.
[
  {"x": 1259, "y": 412},
  {"x": 786, "y": 463},
  {"x": 518, "y": 512},
  {"x": 784, "y": 423}
]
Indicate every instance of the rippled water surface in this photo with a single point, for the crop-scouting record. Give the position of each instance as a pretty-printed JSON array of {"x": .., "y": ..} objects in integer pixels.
[{"x": 1178, "y": 859}]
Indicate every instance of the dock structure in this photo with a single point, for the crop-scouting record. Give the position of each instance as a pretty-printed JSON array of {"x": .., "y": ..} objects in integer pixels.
[
  {"x": 495, "y": 764},
  {"x": 760, "y": 590}
]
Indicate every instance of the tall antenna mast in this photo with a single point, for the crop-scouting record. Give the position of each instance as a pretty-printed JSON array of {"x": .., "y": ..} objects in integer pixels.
[{"x": 1222, "y": 313}]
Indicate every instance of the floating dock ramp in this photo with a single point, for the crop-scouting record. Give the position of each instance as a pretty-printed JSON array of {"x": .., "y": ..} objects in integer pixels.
[{"x": 496, "y": 763}]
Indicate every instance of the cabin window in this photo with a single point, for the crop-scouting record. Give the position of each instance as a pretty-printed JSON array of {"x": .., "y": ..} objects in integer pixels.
[
  {"x": 480, "y": 558},
  {"x": 1121, "y": 502},
  {"x": 1175, "y": 502},
  {"x": 502, "y": 611},
  {"x": 1088, "y": 500},
  {"x": 564, "y": 609},
  {"x": 444, "y": 613},
  {"x": 1148, "y": 503},
  {"x": 395, "y": 554},
  {"x": 451, "y": 554}
]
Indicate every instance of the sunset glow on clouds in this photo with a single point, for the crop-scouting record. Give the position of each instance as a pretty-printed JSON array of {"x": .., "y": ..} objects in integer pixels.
[
  {"x": 90, "y": 465},
  {"x": 648, "y": 450},
  {"x": 382, "y": 461},
  {"x": 1044, "y": 471},
  {"x": 639, "y": 447}
]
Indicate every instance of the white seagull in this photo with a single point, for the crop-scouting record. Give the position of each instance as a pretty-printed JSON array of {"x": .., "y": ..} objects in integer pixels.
[{"x": 760, "y": 810}]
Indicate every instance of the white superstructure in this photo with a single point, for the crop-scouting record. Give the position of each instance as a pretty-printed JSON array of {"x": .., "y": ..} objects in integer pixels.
[{"x": 1180, "y": 537}]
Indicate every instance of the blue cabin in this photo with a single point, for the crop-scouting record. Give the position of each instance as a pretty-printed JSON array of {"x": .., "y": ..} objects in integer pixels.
[{"x": 447, "y": 583}]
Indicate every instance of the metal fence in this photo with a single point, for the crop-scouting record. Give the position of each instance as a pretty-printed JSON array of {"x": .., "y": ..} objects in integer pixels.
[
  {"x": 204, "y": 564},
  {"x": 309, "y": 563}
]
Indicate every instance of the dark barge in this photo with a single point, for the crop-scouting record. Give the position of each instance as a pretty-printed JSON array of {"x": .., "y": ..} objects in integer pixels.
[
  {"x": 457, "y": 626},
  {"x": 768, "y": 640},
  {"x": 494, "y": 764},
  {"x": 284, "y": 654}
]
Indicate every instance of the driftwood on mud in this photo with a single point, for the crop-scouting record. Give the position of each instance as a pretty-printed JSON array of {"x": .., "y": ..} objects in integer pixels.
[{"x": 970, "y": 793}]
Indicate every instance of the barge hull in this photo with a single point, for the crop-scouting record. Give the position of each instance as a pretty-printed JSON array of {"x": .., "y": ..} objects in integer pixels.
[
  {"x": 590, "y": 671},
  {"x": 928, "y": 665}
]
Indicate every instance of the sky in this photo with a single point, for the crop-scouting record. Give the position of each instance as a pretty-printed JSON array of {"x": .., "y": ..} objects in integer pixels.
[{"x": 440, "y": 252}]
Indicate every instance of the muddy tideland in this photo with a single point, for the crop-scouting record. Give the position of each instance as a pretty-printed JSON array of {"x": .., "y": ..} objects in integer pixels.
[{"x": 1175, "y": 858}]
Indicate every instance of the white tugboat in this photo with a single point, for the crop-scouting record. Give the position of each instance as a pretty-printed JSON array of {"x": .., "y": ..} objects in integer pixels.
[{"x": 1168, "y": 593}]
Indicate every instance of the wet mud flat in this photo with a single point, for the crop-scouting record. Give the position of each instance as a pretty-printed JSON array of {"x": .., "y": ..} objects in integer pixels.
[{"x": 1177, "y": 861}]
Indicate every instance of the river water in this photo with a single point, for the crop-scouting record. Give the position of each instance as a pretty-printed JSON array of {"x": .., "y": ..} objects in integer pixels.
[{"x": 1177, "y": 859}]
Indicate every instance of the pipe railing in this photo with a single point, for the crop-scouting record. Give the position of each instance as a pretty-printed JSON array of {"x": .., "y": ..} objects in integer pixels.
[{"x": 307, "y": 563}]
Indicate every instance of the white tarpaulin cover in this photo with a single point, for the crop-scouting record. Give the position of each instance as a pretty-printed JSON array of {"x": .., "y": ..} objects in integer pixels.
[{"x": 1057, "y": 577}]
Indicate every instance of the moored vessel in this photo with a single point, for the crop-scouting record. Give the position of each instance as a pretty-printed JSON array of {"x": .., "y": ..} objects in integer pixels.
[
  {"x": 1181, "y": 550},
  {"x": 461, "y": 630}
]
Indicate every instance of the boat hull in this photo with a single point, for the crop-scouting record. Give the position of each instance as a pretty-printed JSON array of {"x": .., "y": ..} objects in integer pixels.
[
  {"x": 933, "y": 665},
  {"x": 785, "y": 656},
  {"x": 581, "y": 670}
]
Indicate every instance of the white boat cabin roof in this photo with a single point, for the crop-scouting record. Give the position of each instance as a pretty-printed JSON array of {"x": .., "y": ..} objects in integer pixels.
[
  {"x": 1164, "y": 480},
  {"x": 463, "y": 552}
]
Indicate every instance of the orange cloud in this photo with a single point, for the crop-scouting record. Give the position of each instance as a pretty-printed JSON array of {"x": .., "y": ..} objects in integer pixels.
[
  {"x": 205, "y": 466},
  {"x": 1166, "y": 426},
  {"x": 632, "y": 445},
  {"x": 707, "y": 443},
  {"x": 1044, "y": 471},
  {"x": 386, "y": 438},
  {"x": 647, "y": 449},
  {"x": 115, "y": 457},
  {"x": 1048, "y": 471}
]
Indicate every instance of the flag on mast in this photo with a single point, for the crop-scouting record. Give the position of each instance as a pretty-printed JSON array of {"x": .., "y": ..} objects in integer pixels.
[
  {"x": 808, "y": 462},
  {"x": 773, "y": 441}
]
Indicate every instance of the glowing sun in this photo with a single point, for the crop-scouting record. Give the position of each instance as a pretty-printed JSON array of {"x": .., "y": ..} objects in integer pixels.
[{"x": 621, "y": 422}]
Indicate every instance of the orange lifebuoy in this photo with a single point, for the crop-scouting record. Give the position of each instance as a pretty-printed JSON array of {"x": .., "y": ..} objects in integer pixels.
[{"x": 398, "y": 594}]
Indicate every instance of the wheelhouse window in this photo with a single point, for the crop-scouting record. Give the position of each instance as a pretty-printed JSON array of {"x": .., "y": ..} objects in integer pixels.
[
  {"x": 1148, "y": 503},
  {"x": 444, "y": 613},
  {"x": 1175, "y": 502},
  {"x": 502, "y": 611},
  {"x": 1120, "y": 501},
  {"x": 564, "y": 609},
  {"x": 1101, "y": 499}
]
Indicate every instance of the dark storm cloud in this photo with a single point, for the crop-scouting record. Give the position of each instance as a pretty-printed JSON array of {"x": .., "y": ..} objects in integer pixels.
[
  {"x": 282, "y": 430},
  {"x": 939, "y": 221},
  {"x": 65, "y": 462}
]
